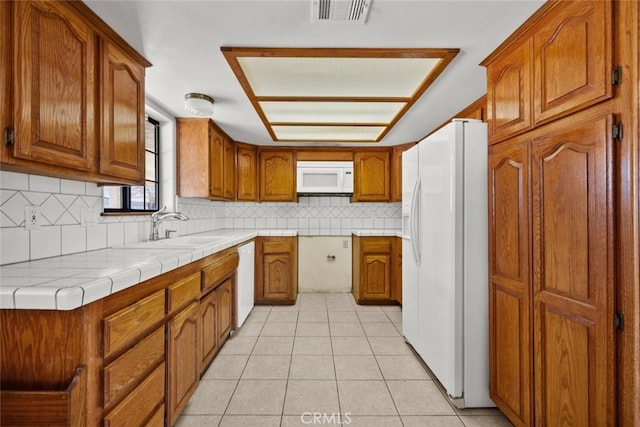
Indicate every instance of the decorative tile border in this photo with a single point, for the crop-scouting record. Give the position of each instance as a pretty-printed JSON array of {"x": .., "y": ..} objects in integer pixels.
[{"x": 62, "y": 231}]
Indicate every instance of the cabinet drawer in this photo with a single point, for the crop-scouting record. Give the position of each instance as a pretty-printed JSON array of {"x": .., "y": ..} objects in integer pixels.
[
  {"x": 157, "y": 420},
  {"x": 182, "y": 293},
  {"x": 127, "y": 370},
  {"x": 141, "y": 403},
  {"x": 217, "y": 272},
  {"x": 125, "y": 326}
]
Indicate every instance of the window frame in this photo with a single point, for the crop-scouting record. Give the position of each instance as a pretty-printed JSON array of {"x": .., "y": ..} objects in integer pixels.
[{"x": 126, "y": 189}]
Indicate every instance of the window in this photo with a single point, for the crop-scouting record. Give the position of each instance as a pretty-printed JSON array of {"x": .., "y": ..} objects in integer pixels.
[{"x": 138, "y": 198}]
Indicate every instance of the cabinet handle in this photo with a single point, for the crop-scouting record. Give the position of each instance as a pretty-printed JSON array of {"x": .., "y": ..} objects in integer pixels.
[
  {"x": 331, "y": 257},
  {"x": 9, "y": 137}
]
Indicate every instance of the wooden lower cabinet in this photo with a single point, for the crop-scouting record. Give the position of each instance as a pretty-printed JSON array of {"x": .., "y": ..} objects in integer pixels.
[
  {"x": 141, "y": 405},
  {"x": 183, "y": 360},
  {"x": 133, "y": 358},
  {"x": 375, "y": 270},
  {"x": 276, "y": 278},
  {"x": 216, "y": 312},
  {"x": 225, "y": 314},
  {"x": 208, "y": 328}
]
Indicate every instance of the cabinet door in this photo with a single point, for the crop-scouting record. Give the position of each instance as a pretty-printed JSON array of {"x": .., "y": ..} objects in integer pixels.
[
  {"x": 276, "y": 270},
  {"x": 246, "y": 176},
  {"x": 229, "y": 169},
  {"x": 573, "y": 54},
  {"x": 225, "y": 310},
  {"x": 396, "y": 172},
  {"x": 278, "y": 176},
  {"x": 55, "y": 85},
  {"x": 216, "y": 163},
  {"x": 509, "y": 93},
  {"x": 372, "y": 176},
  {"x": 183, "y": 360},
  {"x": 510, "y": 289},
  {"x": 208, "y": 329},
  {"x": 376, "y": 263},
  {"x": 193, "y": 136},
  {"x": 122, "y": 146},
  {"x": 573, "y": 274}
]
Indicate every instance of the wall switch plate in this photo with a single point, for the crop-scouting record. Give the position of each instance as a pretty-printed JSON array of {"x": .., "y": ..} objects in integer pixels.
[
  {"x": 345, "y": 244},
  {"x": 32, "y": 217}
]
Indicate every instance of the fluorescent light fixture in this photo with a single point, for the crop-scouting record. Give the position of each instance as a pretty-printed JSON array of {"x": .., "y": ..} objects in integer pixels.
[
  {"x": 334, "y": 94},
  {"x": 198, "y": 104}
]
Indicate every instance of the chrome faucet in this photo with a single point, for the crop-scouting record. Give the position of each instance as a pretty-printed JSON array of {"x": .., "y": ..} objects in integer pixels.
[{"x": 161, "y": 215}]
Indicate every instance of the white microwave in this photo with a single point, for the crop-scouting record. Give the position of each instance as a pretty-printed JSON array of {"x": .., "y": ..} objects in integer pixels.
[{"x": 329, "y": 178}]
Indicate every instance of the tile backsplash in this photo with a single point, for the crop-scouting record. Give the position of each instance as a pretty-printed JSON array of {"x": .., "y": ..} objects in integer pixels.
[
  {"x": 71, "y": 218},
  {"x": 325, "y": 216}
]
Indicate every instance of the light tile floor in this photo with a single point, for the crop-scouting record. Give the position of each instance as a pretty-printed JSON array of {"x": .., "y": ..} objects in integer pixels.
[{"x": 324, "y": 357}]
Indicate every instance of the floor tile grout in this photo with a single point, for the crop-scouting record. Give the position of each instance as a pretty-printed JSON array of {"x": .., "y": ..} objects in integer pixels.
[{"x": 376, "y": 353}]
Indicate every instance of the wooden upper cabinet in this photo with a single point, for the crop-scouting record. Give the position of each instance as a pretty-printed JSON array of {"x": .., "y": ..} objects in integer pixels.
[
  {"x": 229, "y": 169},
  {"x": 561, "y": 65},
  {"x": 122, "y": 146},
  {"x": 205, "y": 160},
  {"x": 216, "y": 162},
  {"x": 192, "y": 157},
  {"x": 54, "y": 60},
  {"x": 246, "y": 172},
  {"x": 74, "y": 94},
  {"x": 372, "y": 170},
  {"x": 396, "y": 171},
  {"x": 278, "y": 176},
  {"x": 573, "y": 272},
  {"x": 573, "y": 58},
  {"x": 509, "y": 91},
  {"x": 510, "y": 288}
]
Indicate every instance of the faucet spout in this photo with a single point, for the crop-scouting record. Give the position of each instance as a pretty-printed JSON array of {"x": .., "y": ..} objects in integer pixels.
[{"x": 160, "y": 216}]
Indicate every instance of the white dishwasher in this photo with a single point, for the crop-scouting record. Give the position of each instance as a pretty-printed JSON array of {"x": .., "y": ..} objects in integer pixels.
[{"x": 245, "y": 282}]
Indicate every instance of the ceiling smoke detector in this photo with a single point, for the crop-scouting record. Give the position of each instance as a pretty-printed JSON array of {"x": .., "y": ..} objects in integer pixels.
[{"x": 340, "y": 11}]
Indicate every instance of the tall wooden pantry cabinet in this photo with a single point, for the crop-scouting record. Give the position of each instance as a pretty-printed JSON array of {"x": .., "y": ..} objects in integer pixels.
[{"x": 559, "y": 191}]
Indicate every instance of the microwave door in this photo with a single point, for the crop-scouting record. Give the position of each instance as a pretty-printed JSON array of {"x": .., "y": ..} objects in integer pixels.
[{"x": 320, "y": 180}]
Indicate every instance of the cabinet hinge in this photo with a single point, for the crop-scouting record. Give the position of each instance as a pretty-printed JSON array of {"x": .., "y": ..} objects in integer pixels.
[
  {"x": 618, "y": 321},
  {"x": 9, "y": 136},
  {"x": 616, "y": 77},
  {"x": 616, "y": 131}
]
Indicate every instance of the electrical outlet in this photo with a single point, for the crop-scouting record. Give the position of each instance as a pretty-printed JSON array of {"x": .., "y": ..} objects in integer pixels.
[
  {"x": 87, "y": 217},
  {"x": 345, "y": 244},
  {"x": 32, "y": 217}
]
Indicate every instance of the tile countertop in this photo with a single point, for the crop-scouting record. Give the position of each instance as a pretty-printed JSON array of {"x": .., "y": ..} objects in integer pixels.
[{"x": 71, "y": 281}]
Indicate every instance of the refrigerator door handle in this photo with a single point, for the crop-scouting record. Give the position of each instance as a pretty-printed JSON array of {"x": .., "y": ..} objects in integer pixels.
[{"x": 415, "y": 220}]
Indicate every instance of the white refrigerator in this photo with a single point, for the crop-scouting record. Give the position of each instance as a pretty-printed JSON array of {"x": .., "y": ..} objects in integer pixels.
[{"x": 444, "y": 272}]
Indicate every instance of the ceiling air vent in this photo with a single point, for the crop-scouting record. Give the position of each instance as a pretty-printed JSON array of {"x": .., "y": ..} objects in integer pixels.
[{"x": 341, "y": 11}]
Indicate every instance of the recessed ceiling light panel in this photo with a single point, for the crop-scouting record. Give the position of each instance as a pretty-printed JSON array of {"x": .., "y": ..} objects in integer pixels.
[
  {"x": 302, "y": 94},
  {"x": 328, "y": 133},
  {"x": 330, "y": 112},
  {"x": 344, "y": 77}
]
